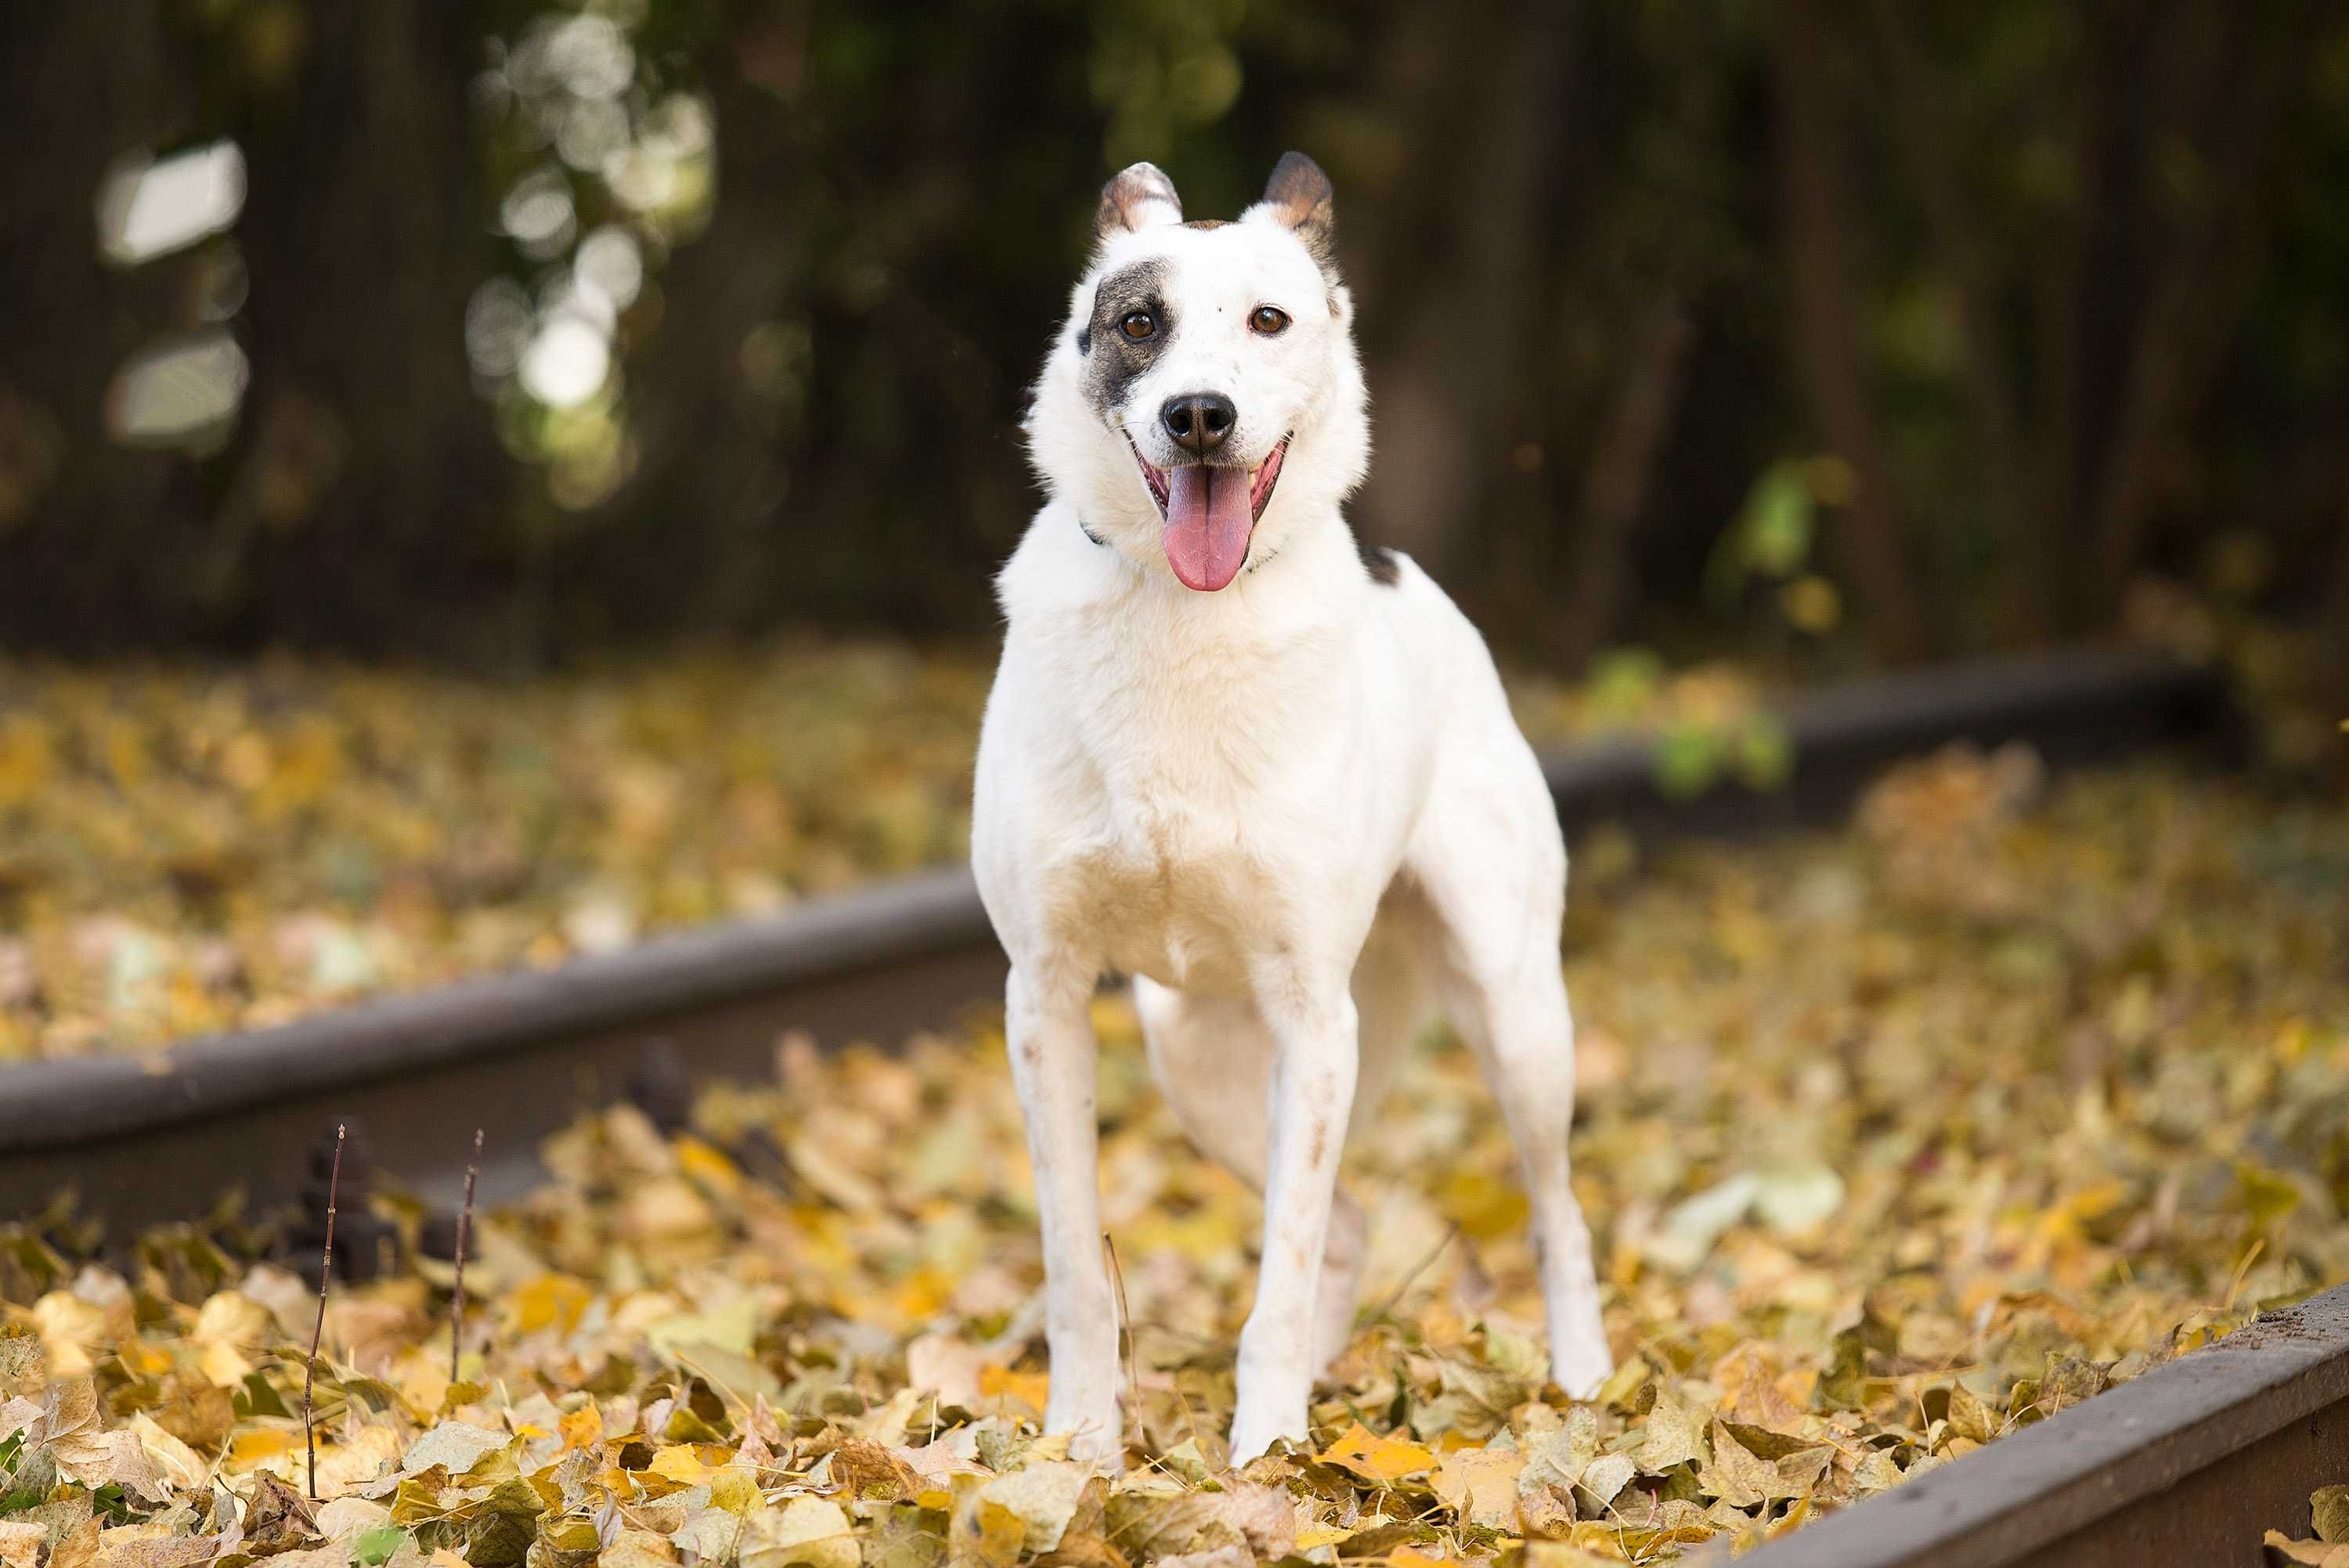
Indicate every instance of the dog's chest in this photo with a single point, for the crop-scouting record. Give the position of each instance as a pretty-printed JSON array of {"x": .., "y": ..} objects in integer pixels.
[
  {"x": 1184, "y": 874},
  {"x": 1192, "y": 848},
  {"x": 1187, "y": 915}
]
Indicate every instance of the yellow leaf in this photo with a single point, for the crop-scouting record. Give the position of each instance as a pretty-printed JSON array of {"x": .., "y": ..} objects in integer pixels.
[
  {"x": 708, "y": 1165},
  {"x": 1382, "y": 1462},
  {"x": 221, "y": 1364},
  {"x": 984, "y": 1535},
  {"x": 922, "y": 1294},
  {"x": 550, "y": 1301},
  {"x": 733, "y": 1489},
  {"x": 250, "y": 1448},
  {"x": 144, "y": 1360},
  {"x": 1480, "y": 1485},
  {"x": 1032, "y": 1388},
  {"x": 1484, "y": 1207},
  {"x": 688, "y": 1464},
  {"x": 584, "y": 1427}
]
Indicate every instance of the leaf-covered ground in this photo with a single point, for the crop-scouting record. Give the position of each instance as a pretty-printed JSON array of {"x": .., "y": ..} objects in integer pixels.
[
  {"x": 186, "y": 849},
  {"x": 1894, "y": 1141}
]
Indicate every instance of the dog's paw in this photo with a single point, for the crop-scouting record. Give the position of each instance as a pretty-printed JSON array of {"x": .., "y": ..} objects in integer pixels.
[
  {"x": 1253, "y": 1432},
  {"x": 1103, "y": 1449},
  {"x": 1090, "y": 1418}
]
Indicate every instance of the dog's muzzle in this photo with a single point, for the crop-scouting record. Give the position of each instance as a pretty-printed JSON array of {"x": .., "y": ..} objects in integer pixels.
[{"x": 1210, "y": 510}]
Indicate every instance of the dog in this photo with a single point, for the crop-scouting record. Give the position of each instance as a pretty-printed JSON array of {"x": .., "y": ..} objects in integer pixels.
[{"x": 1268, "y": 774}]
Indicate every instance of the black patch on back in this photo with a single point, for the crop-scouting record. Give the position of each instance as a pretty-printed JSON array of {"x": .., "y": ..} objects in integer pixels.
[
  {"x": 1140, "y": 286},
  {"x": 1085, "y": 338},
  {"x": 1378, "y": 561}
]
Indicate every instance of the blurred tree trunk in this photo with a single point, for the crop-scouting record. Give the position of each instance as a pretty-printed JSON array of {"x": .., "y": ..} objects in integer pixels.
[
  {"x": 93, "y": 536},
  {"x": 1819, "y": 238},
  {"x": 1987, "y": 374},
  {"x": 2194, "y": 302},
  {"x": 2336, "y": 623},
  {"x": 1615, "y": 483},
  {"x": 2064, "y": 275},
  {"x": 1669, "y": 270},
  {"x": 703, "y": 453},
  {"x": 1466, "y": 237},
  {"x": 370, "y": 503}
]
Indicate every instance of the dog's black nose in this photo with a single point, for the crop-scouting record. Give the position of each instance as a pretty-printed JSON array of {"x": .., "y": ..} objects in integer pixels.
[{"x": 1199, "y": 420}]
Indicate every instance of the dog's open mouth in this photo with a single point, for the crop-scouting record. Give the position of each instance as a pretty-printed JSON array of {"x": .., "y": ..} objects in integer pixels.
[{"x": 1211, "y": 512}]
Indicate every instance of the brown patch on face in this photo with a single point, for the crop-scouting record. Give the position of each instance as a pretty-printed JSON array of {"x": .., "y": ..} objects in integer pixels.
[
  {"x": 1301, "y": 197},
  {"x": 1126, "y": 200},
  {"x": 1114, "y": 361},
  {"x": 1208, "y": 223}
]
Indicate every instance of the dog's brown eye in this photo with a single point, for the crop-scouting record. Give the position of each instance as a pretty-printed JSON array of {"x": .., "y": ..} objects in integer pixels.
[
  {"x": 1268, "y": 320},
  {"x": 1138, "y": 324}
]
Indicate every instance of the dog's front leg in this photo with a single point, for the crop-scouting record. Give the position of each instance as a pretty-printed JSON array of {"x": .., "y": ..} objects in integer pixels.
[
  {"x": 1053, "y": 1067},
  {"x": 1312, "y": 1094}
]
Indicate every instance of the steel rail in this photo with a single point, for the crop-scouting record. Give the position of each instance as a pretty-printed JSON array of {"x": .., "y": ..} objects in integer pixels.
[{"x": 2187, "y": 1466}]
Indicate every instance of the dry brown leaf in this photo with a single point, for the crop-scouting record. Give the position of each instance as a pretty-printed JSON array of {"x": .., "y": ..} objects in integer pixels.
[{"x": 1480, "y": 1485}]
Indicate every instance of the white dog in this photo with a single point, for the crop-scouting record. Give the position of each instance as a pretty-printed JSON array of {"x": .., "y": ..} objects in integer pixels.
[{"x": 1270, "y": 774}]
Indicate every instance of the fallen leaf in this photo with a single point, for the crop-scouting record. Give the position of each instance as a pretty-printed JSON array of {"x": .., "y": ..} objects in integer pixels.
[
  {"x": 21, "y": 1544},
  {"x": 1480, "y": 1485},
  {"x": 1384, "y": 1461},
  {"x": 805, "y": 1533},
  {"x": 2330, "y": 1505},
  {"x": 1042, "y": 1496}
]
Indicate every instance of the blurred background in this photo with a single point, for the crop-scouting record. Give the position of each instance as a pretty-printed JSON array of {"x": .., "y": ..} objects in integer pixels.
[
  {"x": 497, "y": 334},
  {"x": 457, "y": 456}
]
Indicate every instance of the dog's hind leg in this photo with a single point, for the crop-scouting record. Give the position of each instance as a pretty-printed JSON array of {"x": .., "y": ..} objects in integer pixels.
[
  {"x": 1488, "y": 857},
  {"x": 1213, "y": 1057}
]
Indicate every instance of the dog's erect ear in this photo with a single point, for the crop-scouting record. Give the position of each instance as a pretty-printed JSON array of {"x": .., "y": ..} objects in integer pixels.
[
  {"x": 1298, "y": 198},
  {"x": 1140, "y": 197}
]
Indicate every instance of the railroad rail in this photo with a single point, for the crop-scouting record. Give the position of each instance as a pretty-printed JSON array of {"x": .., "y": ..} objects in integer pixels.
[{"x": 2188, "y": 1465}]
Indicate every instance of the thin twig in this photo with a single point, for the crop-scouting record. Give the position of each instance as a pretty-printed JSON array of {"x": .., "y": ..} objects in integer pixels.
[
  {"x": 464, "y": 1229},
  {"x": 1125, "y": 1336},
  {"x": 319, "y": 1328},
  {"x": 1395, "y": 1297}
]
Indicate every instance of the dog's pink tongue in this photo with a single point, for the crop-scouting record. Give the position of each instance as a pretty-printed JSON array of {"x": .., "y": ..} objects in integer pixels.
[{"x": 1208, "y": 522}]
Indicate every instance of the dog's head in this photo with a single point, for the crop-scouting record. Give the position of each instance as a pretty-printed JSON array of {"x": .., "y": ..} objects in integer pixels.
[{"x": 1204, "y": 395}]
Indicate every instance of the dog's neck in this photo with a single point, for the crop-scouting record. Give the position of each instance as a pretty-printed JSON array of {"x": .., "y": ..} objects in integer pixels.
[
  {"x": 1071, "y": 559},
  {"x": 1256, "y": 558},
  {"x": 1198, "y": 691}
]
